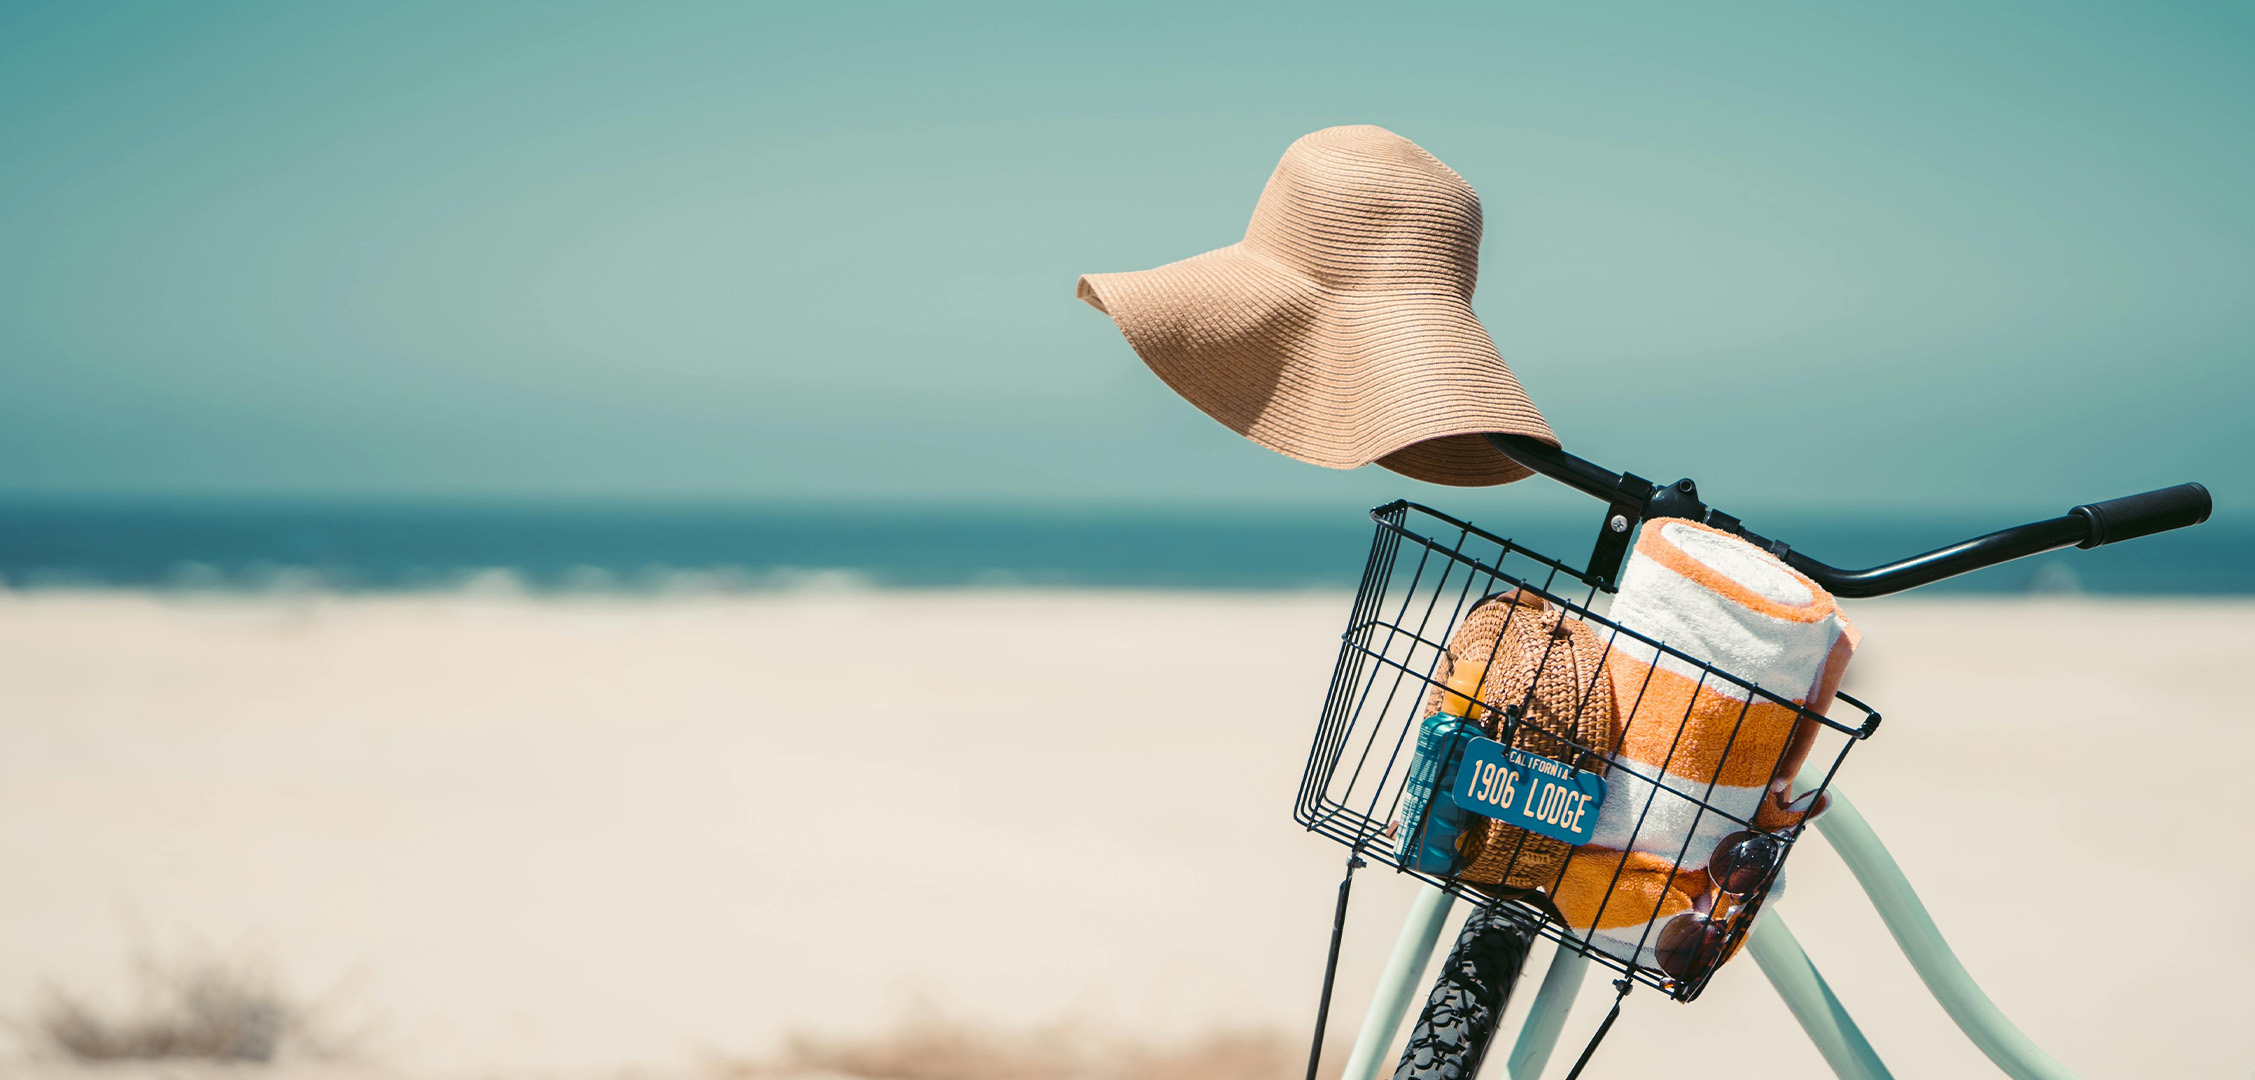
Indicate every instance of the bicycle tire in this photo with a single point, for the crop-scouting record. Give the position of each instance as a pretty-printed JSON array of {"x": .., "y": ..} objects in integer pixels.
[{"x": 1460, "y": 1016}]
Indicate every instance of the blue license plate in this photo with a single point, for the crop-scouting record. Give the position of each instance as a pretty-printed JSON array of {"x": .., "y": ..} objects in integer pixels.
[{"x": 1528, "y": 790}]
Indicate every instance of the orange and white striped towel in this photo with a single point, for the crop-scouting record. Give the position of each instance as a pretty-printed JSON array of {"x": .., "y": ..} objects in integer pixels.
[{"x": 1689, "y": 737}]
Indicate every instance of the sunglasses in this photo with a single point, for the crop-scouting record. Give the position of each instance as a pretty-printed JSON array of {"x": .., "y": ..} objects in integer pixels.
[{"x": 1692, "y": 943}]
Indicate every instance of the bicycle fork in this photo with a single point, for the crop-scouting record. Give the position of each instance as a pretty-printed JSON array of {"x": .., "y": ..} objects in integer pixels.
[{"x": 1775, "y": 951}]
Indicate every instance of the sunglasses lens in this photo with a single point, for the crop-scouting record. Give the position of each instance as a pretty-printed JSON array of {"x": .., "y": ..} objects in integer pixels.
[
  {"x": 1690, "y": 944},
  {"x": 1742, "y": 860}
]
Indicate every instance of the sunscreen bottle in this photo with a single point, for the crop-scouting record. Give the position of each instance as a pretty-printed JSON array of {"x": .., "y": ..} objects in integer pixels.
[{"x": 1433, "y": 825}]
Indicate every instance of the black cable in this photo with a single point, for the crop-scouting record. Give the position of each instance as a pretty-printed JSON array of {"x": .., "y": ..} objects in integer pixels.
[
  {"x": 1621, "y": 986},
  {"x": 1331, "y": 965}
]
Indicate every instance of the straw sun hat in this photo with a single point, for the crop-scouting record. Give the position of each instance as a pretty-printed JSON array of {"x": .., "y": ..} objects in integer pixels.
[{"x": 1340, "y": 330}]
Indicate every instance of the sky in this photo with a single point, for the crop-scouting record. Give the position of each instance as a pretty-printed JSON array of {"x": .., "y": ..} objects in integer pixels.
[{"x": 1901, "y": 257}]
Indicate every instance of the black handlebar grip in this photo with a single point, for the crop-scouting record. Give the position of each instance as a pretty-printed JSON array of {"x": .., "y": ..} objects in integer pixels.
[{"x": 2133, "y": 516}]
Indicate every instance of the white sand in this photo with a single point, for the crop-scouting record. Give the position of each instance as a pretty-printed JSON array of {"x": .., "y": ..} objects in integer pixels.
[{"x": 519, "y": 835}]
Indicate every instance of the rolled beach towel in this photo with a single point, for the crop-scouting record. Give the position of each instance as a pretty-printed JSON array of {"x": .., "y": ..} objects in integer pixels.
[{"x": 1689, "y": 737}]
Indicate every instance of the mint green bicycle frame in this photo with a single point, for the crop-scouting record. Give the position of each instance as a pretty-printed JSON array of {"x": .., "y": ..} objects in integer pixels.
[
  {"x": 1774, "y": 949},
  {"x": 1632, "y": 500}
]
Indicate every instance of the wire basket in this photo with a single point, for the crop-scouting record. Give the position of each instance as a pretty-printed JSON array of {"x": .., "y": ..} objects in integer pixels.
[{"x": 1425, "y": 573}]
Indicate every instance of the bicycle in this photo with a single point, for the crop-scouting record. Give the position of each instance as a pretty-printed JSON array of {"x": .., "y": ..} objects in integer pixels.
[{"x": 1354, "y": 799}]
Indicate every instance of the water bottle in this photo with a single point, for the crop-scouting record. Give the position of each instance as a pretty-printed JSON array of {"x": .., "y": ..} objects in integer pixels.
[{"x": 1432, "y": 823}]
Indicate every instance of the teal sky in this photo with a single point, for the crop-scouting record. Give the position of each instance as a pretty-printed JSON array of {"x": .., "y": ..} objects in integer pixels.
[{"x": 1919, "y": 255}]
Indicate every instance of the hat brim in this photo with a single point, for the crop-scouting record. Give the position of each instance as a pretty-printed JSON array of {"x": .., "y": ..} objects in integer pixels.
[{"x": 1407, "y": 380}]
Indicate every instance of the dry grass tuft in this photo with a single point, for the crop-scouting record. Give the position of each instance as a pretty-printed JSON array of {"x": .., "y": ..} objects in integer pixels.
[
  {"x": 201, "y": 1009},
  {"x": 934, "y": 1048}
]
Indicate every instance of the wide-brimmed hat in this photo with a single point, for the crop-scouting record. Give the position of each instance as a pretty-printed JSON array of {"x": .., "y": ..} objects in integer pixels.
[{"x": 1340, "y": 330}]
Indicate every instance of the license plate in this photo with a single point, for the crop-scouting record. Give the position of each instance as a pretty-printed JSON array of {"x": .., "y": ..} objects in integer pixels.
[{"x": 1528, "y": 790}]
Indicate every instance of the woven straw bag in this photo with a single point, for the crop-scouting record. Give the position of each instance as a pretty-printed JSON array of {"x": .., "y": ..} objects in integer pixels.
[{"x": 1550, "y": 671}]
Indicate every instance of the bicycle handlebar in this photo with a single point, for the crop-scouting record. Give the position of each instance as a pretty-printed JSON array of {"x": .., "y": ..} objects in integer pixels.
[
  {"x": 2133, "y": 516},
  {"x": 1633, "y": 499},
  {"x": 2001, "y": 546}
]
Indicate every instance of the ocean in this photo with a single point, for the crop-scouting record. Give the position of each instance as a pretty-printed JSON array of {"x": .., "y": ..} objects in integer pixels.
[{"x": 400, "y": 545}]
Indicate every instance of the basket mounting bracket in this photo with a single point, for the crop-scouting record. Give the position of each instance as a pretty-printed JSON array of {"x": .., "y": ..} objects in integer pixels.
[{"x": 1631, "y": 500}]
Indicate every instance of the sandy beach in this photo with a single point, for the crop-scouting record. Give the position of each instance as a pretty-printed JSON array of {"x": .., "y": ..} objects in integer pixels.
[{"x": 497, "y": 835}]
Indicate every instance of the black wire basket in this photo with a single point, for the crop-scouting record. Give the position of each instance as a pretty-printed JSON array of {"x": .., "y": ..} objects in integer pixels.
[{"x": 1425, "y": 573}]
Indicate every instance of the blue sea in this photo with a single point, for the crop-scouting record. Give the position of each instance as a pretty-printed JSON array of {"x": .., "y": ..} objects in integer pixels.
[{"x": 390, "y": 546}]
